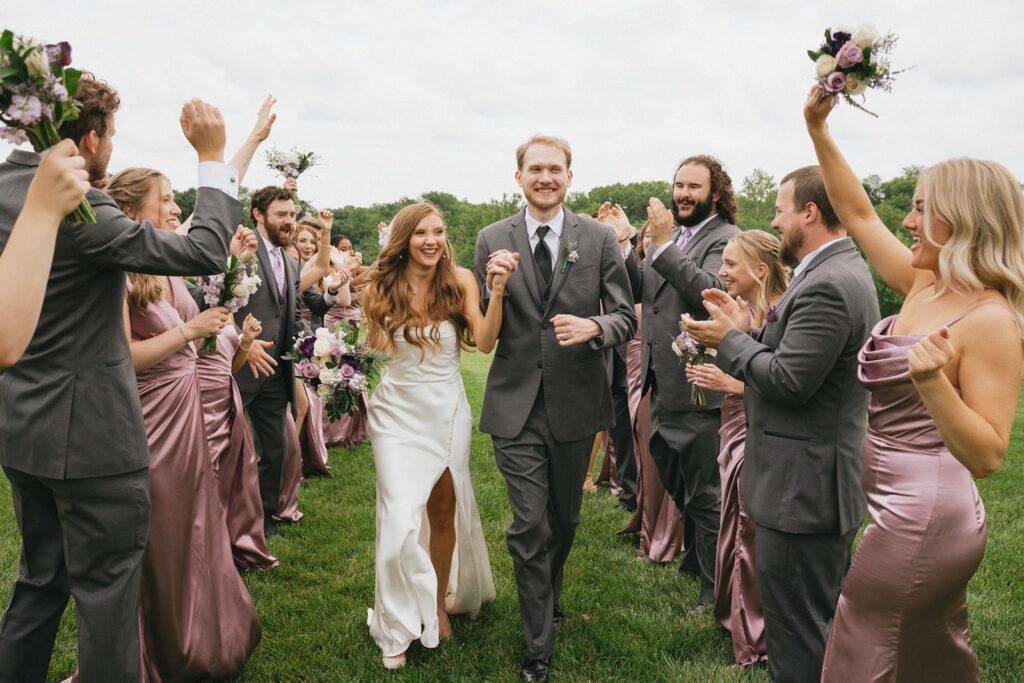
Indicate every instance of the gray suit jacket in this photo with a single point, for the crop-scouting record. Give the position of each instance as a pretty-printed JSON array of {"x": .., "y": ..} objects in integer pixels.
[
  {"x": 69, "y": 409},
  {"x": 805, "y": 408},
  {"x": 672, "y": 285},
  {"x": 575, "y": 381}
]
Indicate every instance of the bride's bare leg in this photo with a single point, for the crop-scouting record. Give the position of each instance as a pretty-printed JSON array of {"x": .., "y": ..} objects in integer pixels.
[
  {"x": 301, "y": 405},
  {"x": 441, "y": 515}
]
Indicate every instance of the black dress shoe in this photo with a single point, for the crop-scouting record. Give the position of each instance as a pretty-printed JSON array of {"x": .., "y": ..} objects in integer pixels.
[
  {"x": 535, "y": 670},
  {"x": 623, "y": 505},
  {"x": 269, "y": 527},
  {"x": 558, "y": 616}
]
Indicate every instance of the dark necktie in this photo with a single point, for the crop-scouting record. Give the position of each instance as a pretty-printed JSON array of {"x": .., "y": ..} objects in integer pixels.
[{"x": 542, "y": 255}]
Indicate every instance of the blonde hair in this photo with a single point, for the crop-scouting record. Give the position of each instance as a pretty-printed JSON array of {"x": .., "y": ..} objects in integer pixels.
[
  {"x": 129, "y": 189},
  {"x": 981, "y": 202},
  {"x": 552, "y": 140},
  {"x": 755, "y": 247}
]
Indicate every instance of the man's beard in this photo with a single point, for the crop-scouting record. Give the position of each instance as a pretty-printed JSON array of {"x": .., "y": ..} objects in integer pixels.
[
  {"x": 701, "y": 210},
  {"x": 275, "y": 236},
  {"x": 791, "y": 244}
]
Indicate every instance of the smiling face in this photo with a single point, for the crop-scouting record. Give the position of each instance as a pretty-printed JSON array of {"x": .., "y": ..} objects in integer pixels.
[
  {"x": 692, "y": 199},
  {"x": 305, "y": 243},
  {"x": 544, "y": 177},
  {"x": 740, "y": 277},
  {"x": 278, "y": 223},
  {"x": 427, "y": 242},
  {"x": 159, "y": 208},
  {"x": 924, "y": 253}
]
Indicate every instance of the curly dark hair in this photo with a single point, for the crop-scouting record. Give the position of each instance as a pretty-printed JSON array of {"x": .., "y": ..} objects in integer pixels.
[
  {"x": 265, "y": 196},
  {"x": 97, "y": 102},
  {"x": 720, "y": 183}
]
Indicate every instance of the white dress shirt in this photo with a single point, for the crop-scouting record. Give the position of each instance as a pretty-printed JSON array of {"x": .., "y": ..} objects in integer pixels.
[
  {"x": 693, "y": 233},
  {"x": 806, "y": 261},
  {"x": 553, "y": 236},
  {"x": 219, "y": 176}
]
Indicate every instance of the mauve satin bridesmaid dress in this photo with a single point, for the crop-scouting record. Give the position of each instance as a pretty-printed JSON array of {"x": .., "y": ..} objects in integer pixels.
[
  {"x": 350, "y": 430},
  {"x": 902, "y": 615},
  {"x": 198, "y": 621},
  {"x": 233, "y": 455},
  {"x": 656, "y": 516},
  {"x": 737, "y": 590}
]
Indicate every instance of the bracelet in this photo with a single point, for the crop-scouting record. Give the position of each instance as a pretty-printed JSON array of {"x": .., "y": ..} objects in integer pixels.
[{"x": 181, "y": 328}]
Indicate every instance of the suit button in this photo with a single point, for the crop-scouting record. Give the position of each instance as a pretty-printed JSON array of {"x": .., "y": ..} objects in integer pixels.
[
  {"x": 544, "y": 325},
  {"x": 540, "y": 364}
]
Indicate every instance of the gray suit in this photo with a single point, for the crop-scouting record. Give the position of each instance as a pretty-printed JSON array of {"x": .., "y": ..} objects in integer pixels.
[
  {"x": 544, "y": 403},
  {"x": 72, "y": 440},
  {"x": 805, "y": 423},
  {"x": 684, "y": 437}
]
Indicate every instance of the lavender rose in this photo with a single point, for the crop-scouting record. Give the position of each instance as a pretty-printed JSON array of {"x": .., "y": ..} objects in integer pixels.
[
  {"x": 836, "y": 82},
  {"x": 849, "y": 55},
  {"x": 308, "y": 369},
  {"x": 347, "y": 371}
]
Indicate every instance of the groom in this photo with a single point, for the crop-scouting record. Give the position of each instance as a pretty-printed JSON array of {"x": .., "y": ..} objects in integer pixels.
[{"x": 547, "y": 391}]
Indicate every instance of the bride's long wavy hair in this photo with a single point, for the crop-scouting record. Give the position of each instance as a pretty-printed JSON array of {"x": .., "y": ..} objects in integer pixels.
[{"x": 387, "y": 304}]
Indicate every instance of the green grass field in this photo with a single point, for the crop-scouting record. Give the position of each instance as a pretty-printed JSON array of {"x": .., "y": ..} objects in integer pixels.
[{"x": 626, "y": 616}]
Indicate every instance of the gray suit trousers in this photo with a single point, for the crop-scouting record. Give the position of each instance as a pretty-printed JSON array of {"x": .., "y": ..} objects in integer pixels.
[
  {"x": 267, "y": 409},
  {"x": 104, "y": 522},
  {"x": 545, "y": 491},
  {"x": 684, "y": 446},
  {"x": 800, "y": 577}
]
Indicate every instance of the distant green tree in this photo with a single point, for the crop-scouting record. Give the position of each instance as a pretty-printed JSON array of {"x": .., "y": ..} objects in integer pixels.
[
  {"x": 633, "y": 197},
  {"x": 756, "y": 201}
]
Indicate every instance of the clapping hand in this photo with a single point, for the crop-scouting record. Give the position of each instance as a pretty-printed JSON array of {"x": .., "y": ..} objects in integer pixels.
[
  {"x": 727, "y": 314},
  {"x": 501, "y": 264},
  {"x": 204, "y": 129},
  {"x": 244, "y": 244},
  {"x": 264, "y": 120},
  {"x": 927, "y": 357},
  {"x": 616, "y": 218},
  {"x": 661, "y": 222},
  {"x": 60, "y": 183}
]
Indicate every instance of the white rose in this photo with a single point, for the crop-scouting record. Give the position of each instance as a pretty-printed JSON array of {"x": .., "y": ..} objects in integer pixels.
[
  {"x": 825, "y": 65},
  {"x": 240, "y": 290},
  {"x": 854, "y": 85},
  {"x": 291, "y": 158},
  {"x": 322, "y": 346},
  {"x": 37, "y": 63},
  {"x": 676, "y": 350},
  {"x": 324, "y": 391},
  {"x": 865, "y": 35},
  {"x": 322, "y": 333},
  {"x": 326, "y": 376}
]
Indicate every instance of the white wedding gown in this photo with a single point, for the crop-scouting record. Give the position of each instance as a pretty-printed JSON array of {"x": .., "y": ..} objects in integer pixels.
[{"x": 420, "y": 424}]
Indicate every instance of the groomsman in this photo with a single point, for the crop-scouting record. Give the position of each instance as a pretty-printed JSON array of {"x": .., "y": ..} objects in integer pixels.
[
  {"x": 72, "y": 439},
  {"x": 805, "y": 415},
  {"x": 547, "y": 390},
  {"x": 681, "y": 263}
]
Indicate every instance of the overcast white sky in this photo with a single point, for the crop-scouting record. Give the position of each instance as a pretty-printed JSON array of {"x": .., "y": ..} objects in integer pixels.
[{"x": 404, "y": 97}]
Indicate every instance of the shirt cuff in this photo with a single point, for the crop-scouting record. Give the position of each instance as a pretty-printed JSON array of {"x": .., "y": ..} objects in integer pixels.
[
  {"x": 330, "y": 299},
  {"x": 629, "y": 250},
  {"x": 660, "y": 250},
  {"x": 219, "y": 176}
]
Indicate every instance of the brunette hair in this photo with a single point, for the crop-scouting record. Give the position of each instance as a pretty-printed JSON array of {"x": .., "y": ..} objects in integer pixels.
[
  {"x": 641, "y": 253},
  {"x": 129, "y": 189},
  {"x": 758, "y": 246},
  {"x": 552, "y": 140},
  {"x": 97, "y": 102},
  {"x": 809, "y": 188},
  {"x": 387, "y": 305},
  {"x": 265, "y": 196},
  {"x": 720, "y": 183}
]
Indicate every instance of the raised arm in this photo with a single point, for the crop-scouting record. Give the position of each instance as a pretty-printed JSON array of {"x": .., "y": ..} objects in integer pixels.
[
  {"x": 57, "y": 188},
  {"x": 312, "y": 272},
  {"x": 487, "y": 326},
  {"x": 890, "y": 257},
  {"x": 260, "y": 132}
]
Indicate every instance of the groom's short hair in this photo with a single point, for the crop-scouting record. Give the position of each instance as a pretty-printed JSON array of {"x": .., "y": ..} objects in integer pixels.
[
  {"x": 809, "y": 188},
  {"x": 97, "y": 102},
  {"x": 552, "y": 140}
]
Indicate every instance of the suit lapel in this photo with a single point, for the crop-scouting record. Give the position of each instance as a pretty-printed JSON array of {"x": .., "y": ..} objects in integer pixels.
[
  {"x": 570, "y": 233},
  {"x": 267, "y": 266},
  {"x": 521, "y": 244},
  {"x": 834, "y": 248}
]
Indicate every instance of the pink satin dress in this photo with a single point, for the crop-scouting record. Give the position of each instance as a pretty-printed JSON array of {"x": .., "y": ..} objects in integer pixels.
[
  {"x": 656, "y": 517},
  {"x": 311, "y": 437},
  {"x": 233, "y": 455},
  {"x": 902, "y": 614},
  {"x": 291, "y": 473},
  {"x": 737, "y": 590},
  {"x": 197, "y": 619},
  {"x": 350, "y": 430}
]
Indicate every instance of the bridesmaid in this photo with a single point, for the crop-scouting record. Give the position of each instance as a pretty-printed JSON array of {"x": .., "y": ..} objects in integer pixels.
[
  {"x": 751, "y": 270},
  {"x": 944, "y": 375},
  {"x": 349, "y": 430},
  {"x": 656, "y": 516},
  {"x": 197, "y": 618}
]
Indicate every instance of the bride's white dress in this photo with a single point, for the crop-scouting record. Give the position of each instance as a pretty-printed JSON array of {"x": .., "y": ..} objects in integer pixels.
[{"x": 420, "y": 424}]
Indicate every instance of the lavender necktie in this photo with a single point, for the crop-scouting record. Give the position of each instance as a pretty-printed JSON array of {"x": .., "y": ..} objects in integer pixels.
[
  {"x": 278, "y": 264},
  {"x": 684, "y": 237}
]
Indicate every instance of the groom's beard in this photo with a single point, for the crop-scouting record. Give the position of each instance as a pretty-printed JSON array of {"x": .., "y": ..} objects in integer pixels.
[{"x": 701, "y": 210}]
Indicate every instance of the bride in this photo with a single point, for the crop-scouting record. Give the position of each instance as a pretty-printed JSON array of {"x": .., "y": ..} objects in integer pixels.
[{"x": 431, "y": 557}]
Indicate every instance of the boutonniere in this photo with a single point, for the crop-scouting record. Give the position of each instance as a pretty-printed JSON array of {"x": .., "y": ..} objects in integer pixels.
[
  {"x": 571, "y": 255},
  {"x": 772, "y": 316}
]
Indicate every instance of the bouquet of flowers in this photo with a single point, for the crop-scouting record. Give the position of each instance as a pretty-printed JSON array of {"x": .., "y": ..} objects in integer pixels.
[
  {"x": 848, "y": 63},
  {"x": 36, "y": 89},
  {"x": 689, "y": 352},
  {"x": 230, "y": 289},
  {"x": 337, "y": 366}
]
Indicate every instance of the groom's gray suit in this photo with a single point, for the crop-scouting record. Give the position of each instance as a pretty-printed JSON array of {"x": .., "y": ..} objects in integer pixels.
[
  {"x": 72, "y": 439},
  {"x": 544, "y": 403},
  {"x": 805, "y": 423}
]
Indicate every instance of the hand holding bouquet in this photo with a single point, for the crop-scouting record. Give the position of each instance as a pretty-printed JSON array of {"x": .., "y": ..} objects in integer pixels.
[
  {"x": 36, "y": 89},
  {"x": 230, "y": 289},
  {"x": 848, "y": 63},
  {"x": 690, "y": 352}
]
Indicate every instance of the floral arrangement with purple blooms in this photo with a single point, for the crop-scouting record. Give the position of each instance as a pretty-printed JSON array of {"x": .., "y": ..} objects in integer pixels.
[
  {"x": 337, "y": 366},
  {"x": 230, "y": 289},
  {"x": 690, "y": 352},
  {"x": 850, "y": 62},
  {"x": 36, "y": 89}
]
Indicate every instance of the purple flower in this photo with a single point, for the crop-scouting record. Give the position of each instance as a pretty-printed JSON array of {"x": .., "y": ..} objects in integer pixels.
[
  {"x": 13, "y": 136},
  {"x": 306, "y": 347},
  {"x": 308, "y": 369},
  {"x": 25, "y": 109},
  {"x": 59, "y": 54},
  {"x": 849, "y": 54},
  {"x": 835, "y": 82},
  {"x": 347, "y": 371},
  {"x": 839, "y": 38},
  {"x": 771, "y": 316}
]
